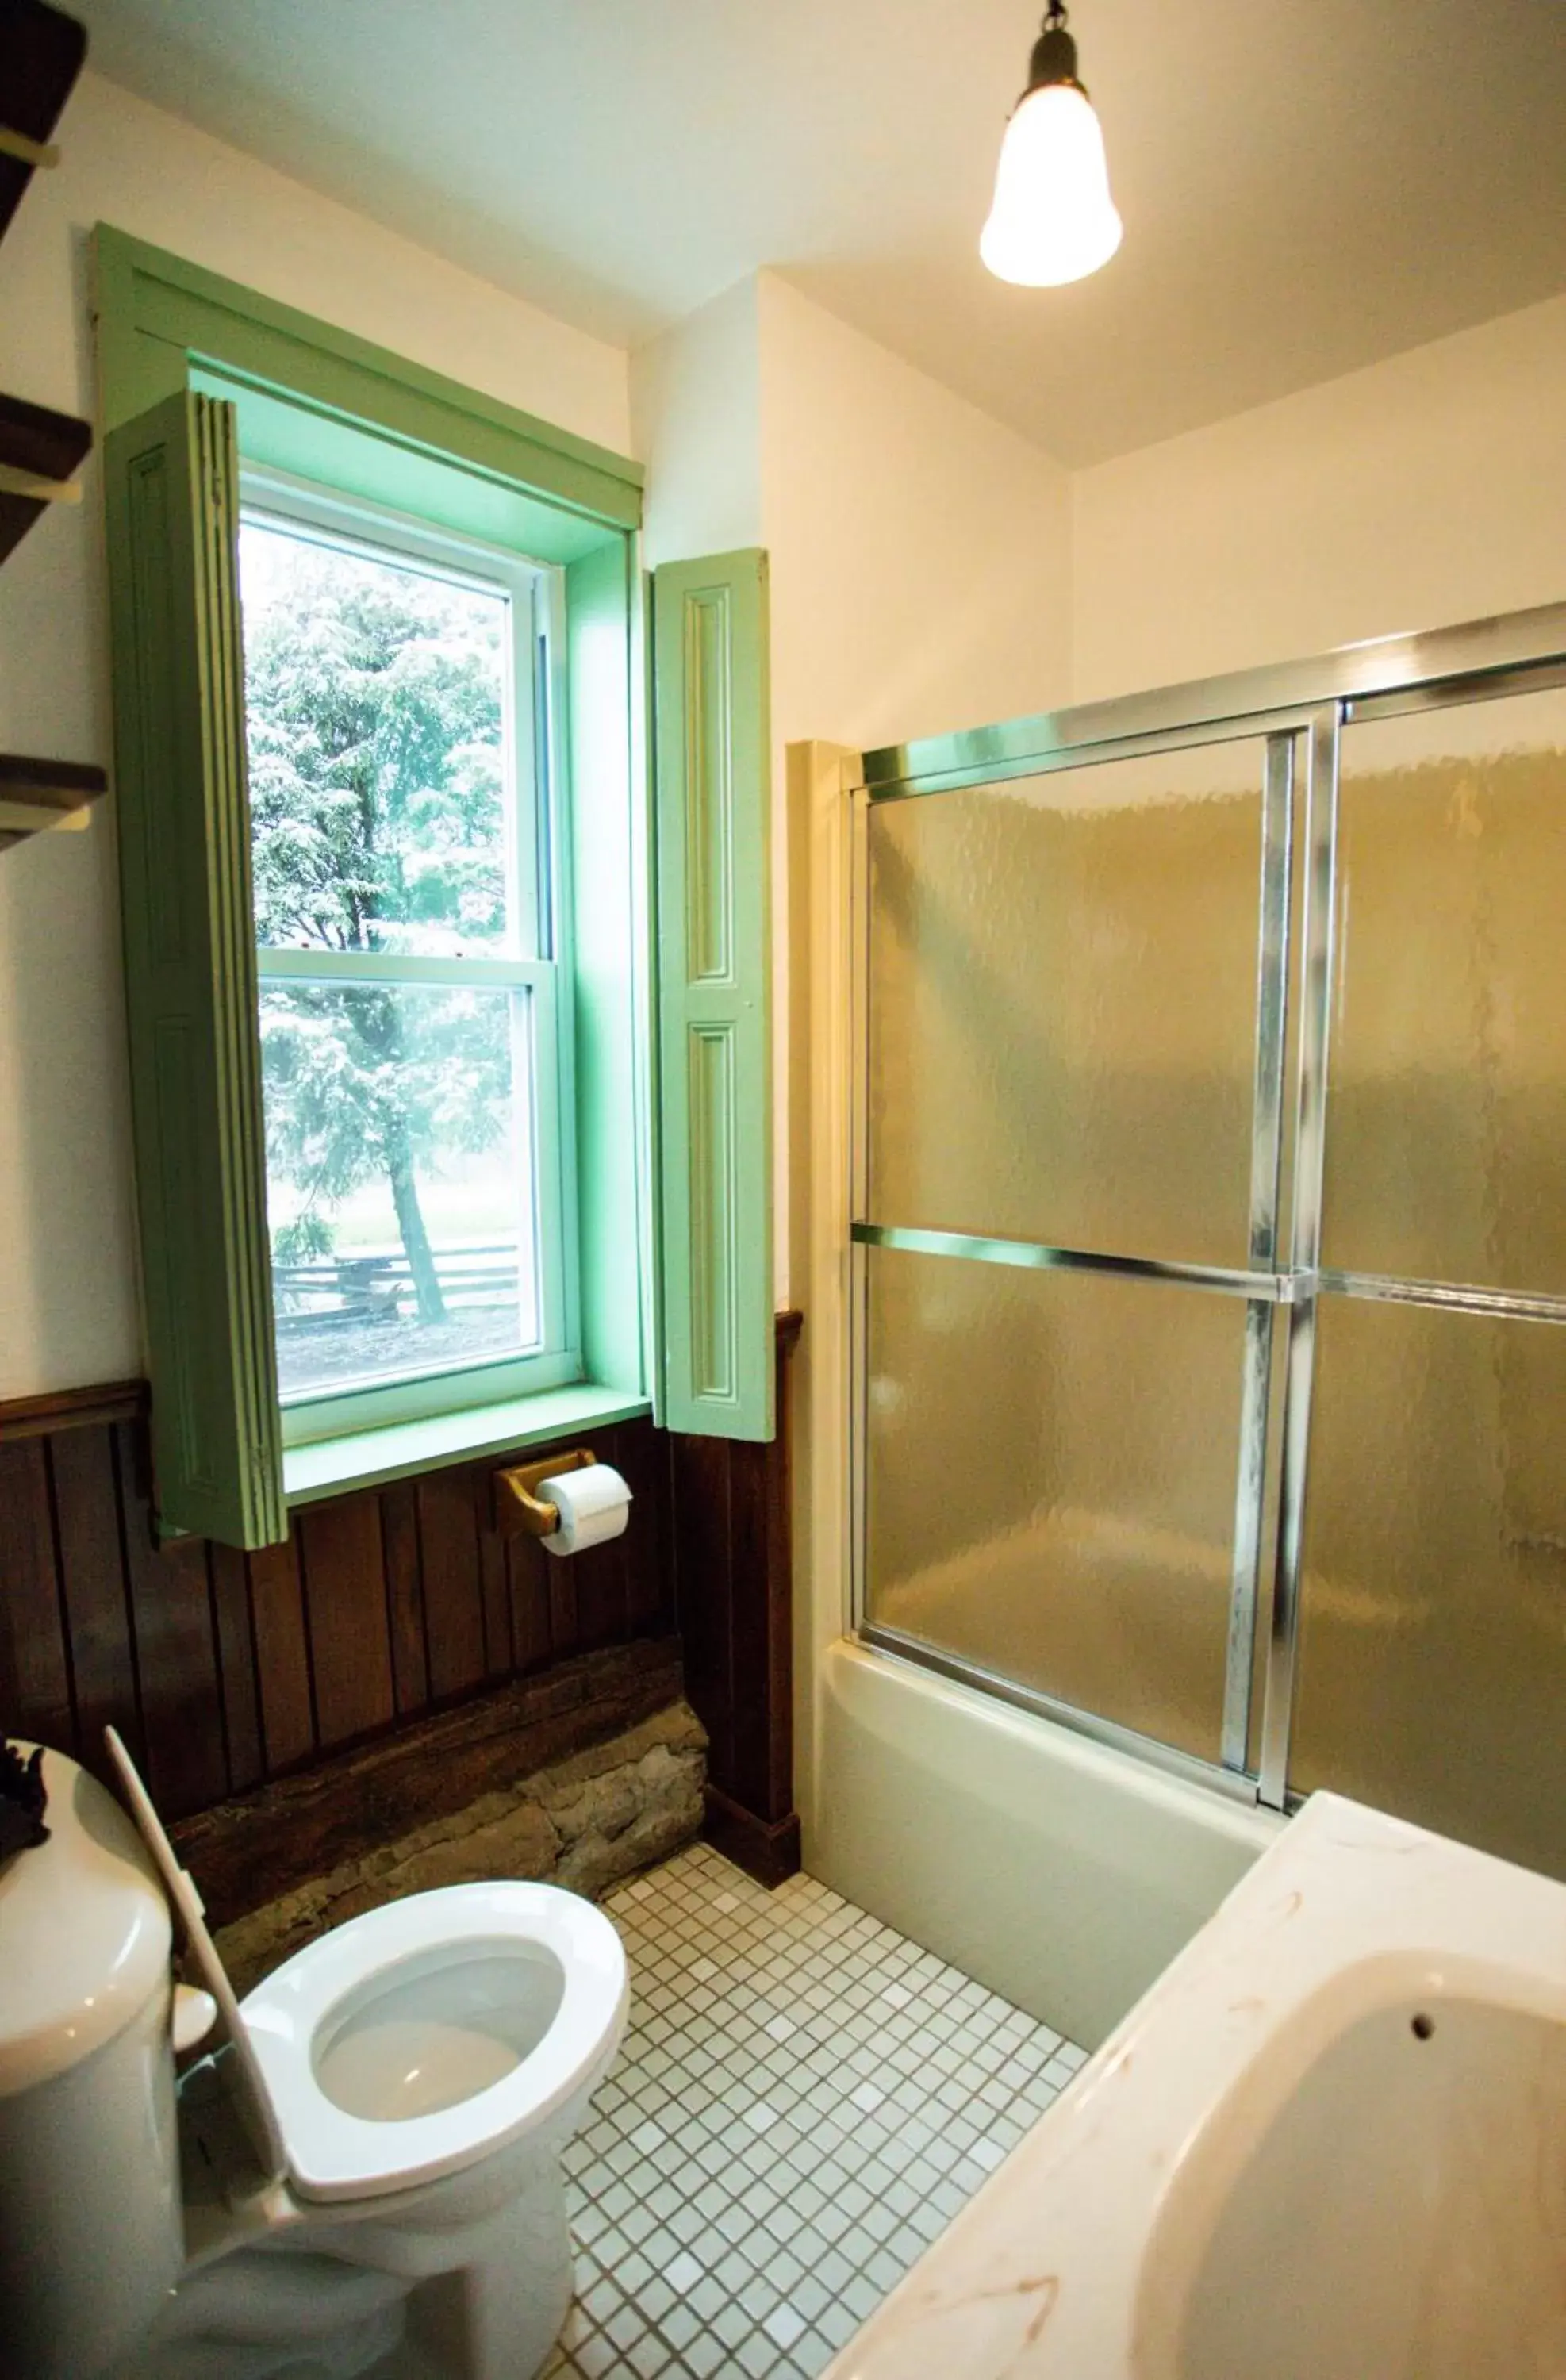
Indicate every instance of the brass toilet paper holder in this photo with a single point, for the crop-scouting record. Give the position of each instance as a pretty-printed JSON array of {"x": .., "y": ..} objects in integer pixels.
[{"x": 519, "y": 1510}]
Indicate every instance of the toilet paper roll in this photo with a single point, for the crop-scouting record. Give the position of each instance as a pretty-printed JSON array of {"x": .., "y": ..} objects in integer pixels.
[{"x": 594, "y": 1505}]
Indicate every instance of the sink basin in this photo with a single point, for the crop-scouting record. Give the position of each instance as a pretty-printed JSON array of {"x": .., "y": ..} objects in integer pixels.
[
  {"x": 1405, "y": 2203},
  {"x": 1329, "y": 2143}
]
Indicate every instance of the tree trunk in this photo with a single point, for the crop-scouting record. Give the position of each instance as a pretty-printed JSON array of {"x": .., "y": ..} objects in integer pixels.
[
  {"x": 377, "y": 1027},
  {"x": 416, "y": 1239}
]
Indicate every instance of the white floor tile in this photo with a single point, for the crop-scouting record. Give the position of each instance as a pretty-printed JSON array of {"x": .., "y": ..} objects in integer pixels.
[{"x": 803, "y": 2102}]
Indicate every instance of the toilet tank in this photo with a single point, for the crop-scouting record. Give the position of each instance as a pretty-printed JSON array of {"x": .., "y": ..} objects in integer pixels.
[{"x": 90, "y": 2237}]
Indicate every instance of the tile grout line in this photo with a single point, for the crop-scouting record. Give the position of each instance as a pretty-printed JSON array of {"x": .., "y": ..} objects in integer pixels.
[{"x": 803, "y": 2101}]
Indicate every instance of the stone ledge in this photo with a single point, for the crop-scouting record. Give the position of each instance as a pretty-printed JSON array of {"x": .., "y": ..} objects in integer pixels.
[
  {"x": 584, "y": 1822},
  {"x": 258, "y": 1847}
]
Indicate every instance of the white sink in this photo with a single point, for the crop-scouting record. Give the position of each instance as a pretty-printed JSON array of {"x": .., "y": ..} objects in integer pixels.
[{"x": 1329, "y": 2143}]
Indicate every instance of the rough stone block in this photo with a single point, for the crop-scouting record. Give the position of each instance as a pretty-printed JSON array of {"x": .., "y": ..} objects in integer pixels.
[{"x": 584, "y": 1823}]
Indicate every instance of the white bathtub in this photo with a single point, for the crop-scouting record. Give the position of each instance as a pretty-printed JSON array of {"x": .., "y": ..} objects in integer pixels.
[
  {"x": 1061, "y": 1873},
  {"x": 1064, "y": 1875}
]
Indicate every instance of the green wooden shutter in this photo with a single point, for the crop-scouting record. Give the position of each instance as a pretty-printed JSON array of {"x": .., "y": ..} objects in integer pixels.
[
  {"x": 714, "y": 973},
  {"x": 173, "y": 503}
]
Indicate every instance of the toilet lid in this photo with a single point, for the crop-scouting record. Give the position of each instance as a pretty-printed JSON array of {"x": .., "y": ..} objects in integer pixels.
[{"x": 242, "y": 2073}]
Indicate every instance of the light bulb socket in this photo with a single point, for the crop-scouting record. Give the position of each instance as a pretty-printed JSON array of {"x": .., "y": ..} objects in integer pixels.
[{"x": 1054, "y": 57}]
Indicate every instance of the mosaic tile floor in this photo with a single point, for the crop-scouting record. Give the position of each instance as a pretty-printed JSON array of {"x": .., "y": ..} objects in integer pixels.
[{"x": 804, "y": 2100}]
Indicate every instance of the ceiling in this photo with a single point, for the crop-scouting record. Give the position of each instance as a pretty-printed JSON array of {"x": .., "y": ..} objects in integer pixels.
[{"x": 1307, "y": 185}]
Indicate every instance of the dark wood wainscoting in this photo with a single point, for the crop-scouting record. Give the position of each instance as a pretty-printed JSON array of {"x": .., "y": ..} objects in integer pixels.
[
  {"x": 735, "y": 1566},
  {"x": 225, "y": 1670}
]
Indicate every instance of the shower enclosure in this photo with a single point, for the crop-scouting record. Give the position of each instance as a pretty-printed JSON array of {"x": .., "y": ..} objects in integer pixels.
[{"x": 1210, "y": 1237}]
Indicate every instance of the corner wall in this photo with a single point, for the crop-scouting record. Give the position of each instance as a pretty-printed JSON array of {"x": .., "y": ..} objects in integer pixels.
[
  {"x": 921, "y": 549},
  {"x": 920, "y": 571},
  {"x": 696, "y": 417},
  {"x": 919, "y": 560}
]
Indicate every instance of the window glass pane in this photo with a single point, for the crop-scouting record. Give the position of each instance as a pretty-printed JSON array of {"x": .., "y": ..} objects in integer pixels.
[
  {"x": 1063, "y": 1006},
  {"x": 400, "y": 1165},
  {"x": 1447, "y": 1083},
  {"x": 1051, "y": 1462},
  {"x": 378, "y": 700},
  {"x": 1432, "y": 1671}
]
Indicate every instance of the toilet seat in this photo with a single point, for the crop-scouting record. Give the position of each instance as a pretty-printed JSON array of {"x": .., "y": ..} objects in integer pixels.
[
  {"x": 296, "y": 2130},
  {"x": 332, "y": 2154}
]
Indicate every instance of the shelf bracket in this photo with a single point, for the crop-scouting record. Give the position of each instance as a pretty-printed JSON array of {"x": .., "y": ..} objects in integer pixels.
[
  {"x": 29, "y": 153},
  {"x": 14, "y": 482},
  {"x": 18, "y": 819}
]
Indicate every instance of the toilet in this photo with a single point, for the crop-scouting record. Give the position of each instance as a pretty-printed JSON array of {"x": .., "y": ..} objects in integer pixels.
[{"x": 362, "y": 2177}]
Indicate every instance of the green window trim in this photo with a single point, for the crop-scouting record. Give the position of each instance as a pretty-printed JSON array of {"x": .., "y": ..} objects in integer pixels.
[
  {"x": 161, "y": 319},
  {"x": 191, "y": 368},
  {"x": 713, "y": 756},
  {"x": 370, "y": 1458},
  {"x": 172, "y": 488}
]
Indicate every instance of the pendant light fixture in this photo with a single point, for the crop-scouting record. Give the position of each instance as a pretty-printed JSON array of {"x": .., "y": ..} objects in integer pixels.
[{"x": 1052, "y": 219}]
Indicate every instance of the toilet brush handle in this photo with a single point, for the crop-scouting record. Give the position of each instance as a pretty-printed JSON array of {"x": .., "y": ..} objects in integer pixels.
[{"x": 192, "y": 2018}]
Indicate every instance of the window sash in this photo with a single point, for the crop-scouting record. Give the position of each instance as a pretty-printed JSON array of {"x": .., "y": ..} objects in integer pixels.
[
  {"x": 354, "y": 524},
  {"x": 537, "y": 920},
  {"x": 277, "y": 964},
  {"x": 318, "y": 1414}
]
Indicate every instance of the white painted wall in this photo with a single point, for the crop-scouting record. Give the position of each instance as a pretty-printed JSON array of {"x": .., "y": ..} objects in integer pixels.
[
  {"x": 1424, "y": 490},
  {"x": 919, "y": 579},
  {"x": 67, "y": 1312},
  {"x": 920, "y": 551},
  {"x": 696, "y": 422}
]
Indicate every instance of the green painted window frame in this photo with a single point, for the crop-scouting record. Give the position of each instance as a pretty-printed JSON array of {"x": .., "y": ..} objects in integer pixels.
[
  {"x": 160, "y": 320},
  {"x": 713, "y": 769},
  {"x": 321, "y": 405}
]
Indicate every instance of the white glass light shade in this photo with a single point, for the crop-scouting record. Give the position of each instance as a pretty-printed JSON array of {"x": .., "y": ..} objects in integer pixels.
[{"x": 1053, "y": 219}]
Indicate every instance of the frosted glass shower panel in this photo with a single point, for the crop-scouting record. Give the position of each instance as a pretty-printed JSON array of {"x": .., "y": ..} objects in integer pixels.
[
  {"x": 1447, "y": 1093},
  {"x": 1062, "y": 1005},
  {"x": 1049, "y": 1481},
  {"x": 1432, "y": 1673}
]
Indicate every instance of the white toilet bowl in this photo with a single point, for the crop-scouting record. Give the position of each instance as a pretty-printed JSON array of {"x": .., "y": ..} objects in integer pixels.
[
  {"x": 426, "y": 2063},
  {"x": 368, "y": 2168},
  {"x": 412, "y": 2041}
]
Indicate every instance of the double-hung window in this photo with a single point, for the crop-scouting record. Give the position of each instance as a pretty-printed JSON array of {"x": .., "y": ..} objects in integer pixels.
[
  {"x": 451, "y": 1084},
  {"x": 409, "y": 852}
]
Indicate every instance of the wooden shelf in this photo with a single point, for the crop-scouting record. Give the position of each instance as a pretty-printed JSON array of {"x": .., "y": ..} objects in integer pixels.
[
  {"x": 40, "y": 448},
  {"x": 40, "y": 55},
  {"x": 36, "y": 795}
]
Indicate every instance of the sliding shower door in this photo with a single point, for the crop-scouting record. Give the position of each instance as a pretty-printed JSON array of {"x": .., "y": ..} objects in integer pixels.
[
  {"x": 1070, "y": 1163},
  {"x": 1432, "y": 1661},
  {"x": 1210, "y": 1237}
]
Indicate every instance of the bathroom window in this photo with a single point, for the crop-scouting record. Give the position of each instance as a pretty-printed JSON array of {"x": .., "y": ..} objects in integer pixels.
[
  {"x": 409, "y": 1167},
  {"x": 407, "y": 844}
]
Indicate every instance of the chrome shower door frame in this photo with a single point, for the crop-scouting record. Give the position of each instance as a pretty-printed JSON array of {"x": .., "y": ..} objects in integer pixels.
[{"x": 1300, "y": 709}]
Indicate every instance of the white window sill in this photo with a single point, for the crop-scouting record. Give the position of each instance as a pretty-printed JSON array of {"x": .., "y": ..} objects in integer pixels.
[{"x": 367, "y": 1458}]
